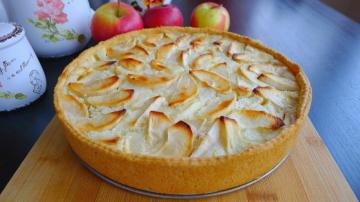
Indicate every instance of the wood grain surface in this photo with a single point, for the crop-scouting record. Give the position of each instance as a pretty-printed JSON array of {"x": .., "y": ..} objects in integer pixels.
[
  {"x": 51, "y": 172},
  {"x": 324, "y": 42}
]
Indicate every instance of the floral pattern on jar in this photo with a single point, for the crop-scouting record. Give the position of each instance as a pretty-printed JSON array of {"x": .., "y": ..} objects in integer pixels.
[{"x": 50, "y": 14}]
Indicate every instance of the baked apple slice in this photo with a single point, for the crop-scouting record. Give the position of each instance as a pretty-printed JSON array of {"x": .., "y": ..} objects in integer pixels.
[
  {"x": 248, "y": 76},
  {"x": 183, "y": 57},
  {"x": 187, "y": 89},
  {"x": 119, "y": 55},
  {"x": 152, "y": 140},
  {"x": 164, "y": 51},
  {"x": 199, "y": 41},
  {"x": 219, "y": 42},
  {"x": 241, "y": 91},
  {"x": 181, "y": 39},
  {"x": 221, "y": 108},
  {"x": 112, "y": 99},
  {"x": 219, "y": 66},
  {"x": 213, "y": 143},
  {"x": 150, "y": 81},
  {"x": 157, "y": 65},
  {"x": 201, "y": 60},
  {"x": 273, "y": 69},
  {"x": 84, "y": 73},
  {"x": 278, "y": 82},
  {"x": 104, "y": 122},
  {"x": 74, "y": 107},
  {"x": 110, "y": 141},
  {"x": 221, "y": 69},
  {"x": 247, "y": 118},
  {"x": 231, "y": 132},
  {"x": 212, "y": 80},
  {"x": 95, "y": 87},
  {"x": 153, "y": 40},
  {"x": 88, "y": 71},
  {"x": 132, "y": 64},
  {"x": 141, "y": 49},
  {"x": 277, "y": 97},
  {"x": 179, "y": 141},
  {"x": 103, "y": 65},
  {"x": 241, "y": 58},
  {"x": 224, "y": 137},
  {"x": 157, "y": 126},
  {"x": 233, "y": 48},
  {"x": 152, "y": 104}
]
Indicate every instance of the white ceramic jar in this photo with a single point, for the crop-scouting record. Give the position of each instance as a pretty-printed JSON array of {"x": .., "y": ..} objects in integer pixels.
[
  {"x": 22, "y": 79},
  {"x": 54, "y": 27}
]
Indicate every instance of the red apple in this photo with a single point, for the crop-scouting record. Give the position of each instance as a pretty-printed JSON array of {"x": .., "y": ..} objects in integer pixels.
[
  {"x": 114, "y": 18},
  {"x": 165, "y": 15},
  {"x": 211, "y": 15}
]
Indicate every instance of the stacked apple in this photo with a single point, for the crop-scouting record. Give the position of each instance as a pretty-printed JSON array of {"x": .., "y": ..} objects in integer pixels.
[{"x": 116, "y": 18}]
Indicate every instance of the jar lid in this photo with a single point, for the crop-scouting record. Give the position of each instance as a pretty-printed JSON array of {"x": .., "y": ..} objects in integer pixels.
[{"x": 10, "y": 33}]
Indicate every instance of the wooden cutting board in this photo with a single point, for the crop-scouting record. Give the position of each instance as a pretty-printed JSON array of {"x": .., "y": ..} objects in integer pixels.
[{"x": 51, "y": 172}]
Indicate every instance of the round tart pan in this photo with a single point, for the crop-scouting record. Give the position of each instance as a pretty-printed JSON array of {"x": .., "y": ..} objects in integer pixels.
[
  {"x": 179, "y": 196},
  {"x": 185, "y": 176}
]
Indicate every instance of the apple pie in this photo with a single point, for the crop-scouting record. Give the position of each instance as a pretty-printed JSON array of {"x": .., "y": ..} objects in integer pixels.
[{"x": 182, "y": 110}]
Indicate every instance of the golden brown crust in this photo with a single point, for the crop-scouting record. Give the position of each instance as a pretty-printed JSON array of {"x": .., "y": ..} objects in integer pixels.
[{"x": 230, "y": 170}]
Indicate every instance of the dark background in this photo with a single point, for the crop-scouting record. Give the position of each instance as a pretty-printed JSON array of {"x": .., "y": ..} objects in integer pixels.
[{"x": 322, "y": 40}]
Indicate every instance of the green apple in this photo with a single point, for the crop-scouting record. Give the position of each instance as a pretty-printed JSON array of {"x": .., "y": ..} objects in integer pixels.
[{"x": 211, "y": 15}]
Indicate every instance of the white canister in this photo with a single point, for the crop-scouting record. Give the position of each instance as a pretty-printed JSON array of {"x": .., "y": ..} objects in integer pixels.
[
  {"x": 22, "y": 79},
  {"x": 54, "y": 27}
]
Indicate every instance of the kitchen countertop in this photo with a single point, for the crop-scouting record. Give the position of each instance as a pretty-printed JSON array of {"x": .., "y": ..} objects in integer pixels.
[{"x": 324, "y": 42}]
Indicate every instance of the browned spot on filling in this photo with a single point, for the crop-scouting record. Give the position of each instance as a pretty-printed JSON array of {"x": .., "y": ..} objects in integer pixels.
[{"x": 112, "y": 141}]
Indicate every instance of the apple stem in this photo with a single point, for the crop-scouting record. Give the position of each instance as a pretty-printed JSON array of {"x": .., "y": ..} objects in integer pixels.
[
  {"x": 118, "y": 8},
  {"x": 217, "y": 6}
]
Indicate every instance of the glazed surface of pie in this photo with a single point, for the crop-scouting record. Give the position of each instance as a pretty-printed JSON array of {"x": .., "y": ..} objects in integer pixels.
[{"x": 178, "y": 94}]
